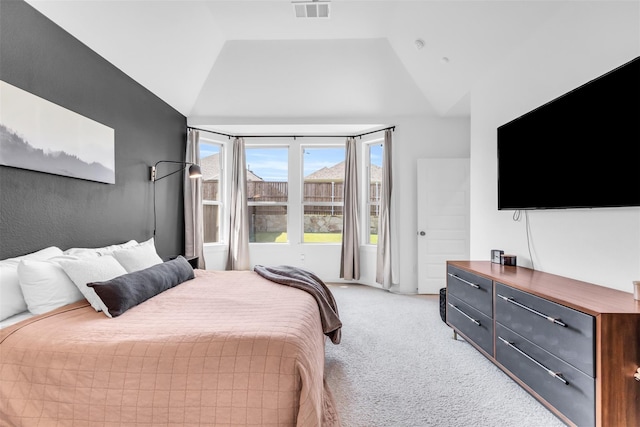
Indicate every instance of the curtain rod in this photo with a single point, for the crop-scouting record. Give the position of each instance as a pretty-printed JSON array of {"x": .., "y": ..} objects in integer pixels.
[{"x": 393, "y": 128}]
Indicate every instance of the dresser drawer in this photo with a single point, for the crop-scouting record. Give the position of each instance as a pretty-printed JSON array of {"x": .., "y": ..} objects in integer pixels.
[
  {"x": 570, "y": 337},
  {"x": 575, "y": 397},
  {"x": 475, "y": 290},
  {"x": 474, "y": 325}
]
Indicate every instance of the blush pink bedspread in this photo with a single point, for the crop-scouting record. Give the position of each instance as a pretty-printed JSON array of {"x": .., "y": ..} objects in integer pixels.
[{"x": 226, "y": 348}]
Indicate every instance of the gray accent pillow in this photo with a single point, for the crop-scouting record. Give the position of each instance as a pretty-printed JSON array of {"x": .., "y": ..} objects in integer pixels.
[{"x": 127, "y": 291}]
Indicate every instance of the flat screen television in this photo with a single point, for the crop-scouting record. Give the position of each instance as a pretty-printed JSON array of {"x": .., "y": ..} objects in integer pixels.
[{"x": 580, "y": 150}]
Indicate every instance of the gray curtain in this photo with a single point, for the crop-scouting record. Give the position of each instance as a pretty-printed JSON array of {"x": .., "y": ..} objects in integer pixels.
[
  {"x": 193, "y": 216},
  {"x": 350, "y": 259},
  {"x": 238, "y": 257},
  {"x": 383, "y": 258}
]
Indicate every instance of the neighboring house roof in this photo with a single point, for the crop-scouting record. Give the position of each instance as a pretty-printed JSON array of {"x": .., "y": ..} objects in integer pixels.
[
  {"x": 210, "y": 167},
  {"x": 335, "y": 173}
]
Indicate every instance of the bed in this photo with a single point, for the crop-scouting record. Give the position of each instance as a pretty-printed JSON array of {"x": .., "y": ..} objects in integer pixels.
[{"x": 224, "y": 348}]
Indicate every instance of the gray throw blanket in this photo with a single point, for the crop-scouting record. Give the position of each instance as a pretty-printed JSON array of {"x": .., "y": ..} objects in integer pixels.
[{"x": 310, "y": 283}]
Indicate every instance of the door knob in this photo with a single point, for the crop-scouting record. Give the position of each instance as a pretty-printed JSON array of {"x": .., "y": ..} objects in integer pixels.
[{"x": 422, "y": 233}]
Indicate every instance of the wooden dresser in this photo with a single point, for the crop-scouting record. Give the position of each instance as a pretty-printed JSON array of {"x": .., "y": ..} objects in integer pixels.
[{"x": 573, "y": 345}]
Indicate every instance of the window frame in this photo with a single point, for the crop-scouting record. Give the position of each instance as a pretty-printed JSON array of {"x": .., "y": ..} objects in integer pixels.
[
  {"x": 366, "y": 202},
  {"x": 295, "y": 204},
  {"x": 273, "y": 145},
  {"x": 206, "y": 139},
  {"x": 303, "y": 203}
]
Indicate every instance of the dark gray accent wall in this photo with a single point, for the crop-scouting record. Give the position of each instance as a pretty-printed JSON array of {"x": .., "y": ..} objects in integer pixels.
[{"x": 39, "y": 210}]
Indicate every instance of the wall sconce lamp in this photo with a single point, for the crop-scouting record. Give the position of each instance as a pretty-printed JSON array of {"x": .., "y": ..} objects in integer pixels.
[{"x": 194, "y": 172}]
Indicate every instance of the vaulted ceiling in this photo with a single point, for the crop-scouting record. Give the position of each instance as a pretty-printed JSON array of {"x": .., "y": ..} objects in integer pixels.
[{"x": 244, "y": 61}]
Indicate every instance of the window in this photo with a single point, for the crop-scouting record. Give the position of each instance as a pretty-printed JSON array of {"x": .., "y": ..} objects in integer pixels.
[
  {"x": 374, "y": 156},
  {"x": 211, "y": 155},
  {"x": 323, "y": 186},
  {"x": 267, "y": 193}
]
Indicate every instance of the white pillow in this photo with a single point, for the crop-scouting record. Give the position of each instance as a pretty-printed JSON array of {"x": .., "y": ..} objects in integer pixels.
[
  {"x": 15, "y": 319},
  {"x": 11, "y": 299},
  {"x": 95, "y": 252},
  {"x": 87, "y": 270},
  {"x": 138, "y": 257},
  {"x": 45, "y": 285}
]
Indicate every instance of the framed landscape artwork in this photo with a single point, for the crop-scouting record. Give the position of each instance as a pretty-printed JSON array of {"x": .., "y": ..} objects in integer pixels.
[{"x": 39, "y": 135}]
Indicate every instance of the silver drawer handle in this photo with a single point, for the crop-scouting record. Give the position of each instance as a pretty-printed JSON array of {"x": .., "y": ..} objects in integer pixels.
[
  {"x": 464, "y": 314},
  {"x": 537, "y": 313},
  {"x": 473, "y": 285},
  {"x": 556, "y": 375}
]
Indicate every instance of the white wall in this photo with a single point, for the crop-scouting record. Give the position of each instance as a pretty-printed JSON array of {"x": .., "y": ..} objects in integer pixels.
[
  {"x": 413, "y": 138},
  {"x": 418, "y": 139},
  {"x": 580, "y": 42}
]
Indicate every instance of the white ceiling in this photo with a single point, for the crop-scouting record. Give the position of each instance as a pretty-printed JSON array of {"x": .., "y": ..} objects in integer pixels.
[{"x": 252, "y": 62}]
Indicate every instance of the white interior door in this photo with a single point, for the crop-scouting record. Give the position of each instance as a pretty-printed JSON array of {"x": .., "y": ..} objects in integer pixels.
[{"x": 443, "y": 219}]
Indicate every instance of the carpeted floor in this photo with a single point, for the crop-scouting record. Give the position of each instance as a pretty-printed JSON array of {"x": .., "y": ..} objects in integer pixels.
[{"x": 399, "y": 366}]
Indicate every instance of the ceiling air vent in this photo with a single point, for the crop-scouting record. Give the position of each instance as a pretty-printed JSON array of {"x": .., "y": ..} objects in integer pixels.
[{"x": 311, "y": 9}]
